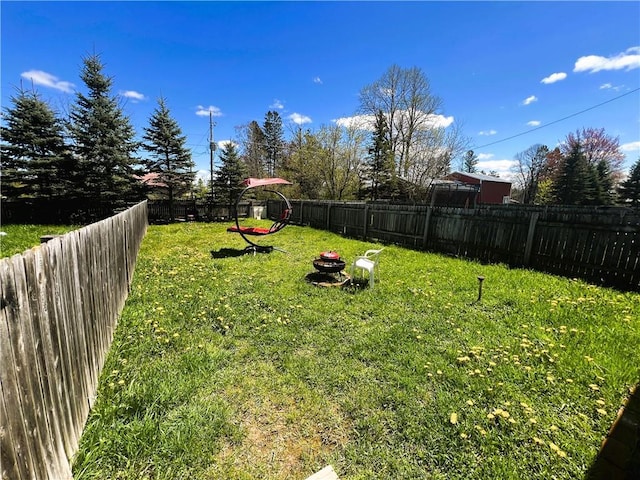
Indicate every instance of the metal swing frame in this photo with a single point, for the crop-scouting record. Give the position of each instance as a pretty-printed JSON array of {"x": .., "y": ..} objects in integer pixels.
[{"x": 278, "y": 225}]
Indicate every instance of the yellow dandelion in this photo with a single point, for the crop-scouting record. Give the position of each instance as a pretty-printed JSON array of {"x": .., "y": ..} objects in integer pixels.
[
  {"x": 491, "y": 416},
  {"x": 120, "y": 382},
  {"x": 453, "y": 418},
  {"x": 464, "y": 435},
  {"x": 533, "y": 420},
  {"x": 537, "y": 440},
  {"x": 600, "y": 402},
  {"x": 439, "y": 372},
  {"x": 463, "y": 359},
  {"x": 470, "y": 403},
  {"x": 601, "y": 411},
  {"x": 594, "y": 387}
]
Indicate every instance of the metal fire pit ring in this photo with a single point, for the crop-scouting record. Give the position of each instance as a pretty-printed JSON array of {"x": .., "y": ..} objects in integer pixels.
[{"x": 329, "y": 266}]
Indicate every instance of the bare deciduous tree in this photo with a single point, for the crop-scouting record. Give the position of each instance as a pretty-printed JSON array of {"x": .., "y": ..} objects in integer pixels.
[
  {"x": 530, "y": 170},
  {"x": 421, "y": 143}
]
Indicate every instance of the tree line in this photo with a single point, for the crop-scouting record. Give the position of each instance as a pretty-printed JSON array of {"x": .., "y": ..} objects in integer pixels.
[
  {"x": 585, "y": 169},
  {"x": 394, "y": 147}
]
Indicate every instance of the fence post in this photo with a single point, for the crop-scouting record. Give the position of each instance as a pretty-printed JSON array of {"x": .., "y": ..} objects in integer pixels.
[
  {"x": 366, "y": 221},
  {"x": 425, "y": 234},
  {"x": 529, "y": 245},
  {"x": 329, "y": 216}
]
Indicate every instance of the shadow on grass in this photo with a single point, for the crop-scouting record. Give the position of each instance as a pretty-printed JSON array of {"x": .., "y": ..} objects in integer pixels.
[
  {"x": 228, "y": 253},
  {"x": 619, "y": 455},
  {"x": 347, "y": 284}
]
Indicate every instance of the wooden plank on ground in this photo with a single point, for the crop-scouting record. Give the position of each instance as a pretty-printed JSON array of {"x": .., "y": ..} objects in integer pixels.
[{"x": 327, "y": 473}]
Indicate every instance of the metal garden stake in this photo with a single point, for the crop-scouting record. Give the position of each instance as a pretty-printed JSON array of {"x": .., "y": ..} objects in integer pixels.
[{"x": 480, "y": 279}]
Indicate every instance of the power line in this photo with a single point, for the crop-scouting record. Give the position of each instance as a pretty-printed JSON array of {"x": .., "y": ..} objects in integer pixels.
[{"x": 556, "y": 121}]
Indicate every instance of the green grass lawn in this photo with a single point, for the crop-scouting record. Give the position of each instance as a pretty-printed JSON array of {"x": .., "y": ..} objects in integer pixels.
[
  {"x": 234, "y": 367},
  {"x": 18, "y": 238}
]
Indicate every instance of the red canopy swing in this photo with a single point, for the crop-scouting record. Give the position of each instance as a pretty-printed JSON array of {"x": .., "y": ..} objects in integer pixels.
[{"x": 278, "y": 225}]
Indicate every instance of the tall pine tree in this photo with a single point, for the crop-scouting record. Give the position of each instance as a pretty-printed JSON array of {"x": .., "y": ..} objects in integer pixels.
[
  {"x": 380, "y": 167},
  {"x": 629, "y": 192},
  {"x": 470, "y": 162},
  {"x": 274, "y": 141},
  {"x": 35, "y": 160},
  {"x": 103, "y": 138},
  {"x": 171, "y": 159},
  {"x": 575, "y": 182},
  {"x": 227, "y": 183}
]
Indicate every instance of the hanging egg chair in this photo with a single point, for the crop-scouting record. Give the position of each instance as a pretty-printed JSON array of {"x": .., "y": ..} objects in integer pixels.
[{"x": 247, "y": 231}]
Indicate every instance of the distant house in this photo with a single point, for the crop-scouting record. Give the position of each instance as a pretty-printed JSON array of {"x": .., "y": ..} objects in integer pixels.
[
  {"x": 492, "y": 190},
  {"x": 151, "y": 180}
]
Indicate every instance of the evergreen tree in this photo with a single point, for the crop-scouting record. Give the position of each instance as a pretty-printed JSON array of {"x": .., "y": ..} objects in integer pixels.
[
  {"x": 227, "y": 183},
  {"x": 103, "y": 138},
  {"x": 254, "y": 151},
  {"x": 470, "y": 162},
  {"x": 35, "y": 159},
  {"x": 603, "y": 185},
  {"x": 274, "y": 142},
  {"x": 575, "y": 182},
  {"x": 171, "y": 159},
  {"x": 630, "y": 189},
  {"x": 380, "y": 167}
]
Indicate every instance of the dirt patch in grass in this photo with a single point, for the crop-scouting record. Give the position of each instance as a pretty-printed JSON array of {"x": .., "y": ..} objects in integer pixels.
[{"x": 284, "y": 438}]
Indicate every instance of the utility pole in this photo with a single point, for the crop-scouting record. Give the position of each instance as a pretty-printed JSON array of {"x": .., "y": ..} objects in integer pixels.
[{"x": 212, "y": 149}]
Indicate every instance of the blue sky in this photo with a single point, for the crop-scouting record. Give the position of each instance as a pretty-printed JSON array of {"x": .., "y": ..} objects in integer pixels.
[{"x": 500, "y": 68}]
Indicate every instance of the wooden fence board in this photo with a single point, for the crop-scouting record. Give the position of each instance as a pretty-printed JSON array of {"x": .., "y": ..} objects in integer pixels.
[
  {"x": 600, "y": 244},
  {"x": 58, "y": 310},
  {"x": 16, "y": 441},
  {"x": 49, "y": 373}
]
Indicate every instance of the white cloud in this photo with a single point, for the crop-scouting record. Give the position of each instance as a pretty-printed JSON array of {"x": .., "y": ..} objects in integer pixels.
[
  {"x": 277, "y": 104},
  {"x": 554, "y": 77},
  {"x": 530, "y": 100},
  {"x": 38, "y": 77},
  {"x": 627, "y": 60},
  {"x": 299, "y": 119},
  {"x": 439, "y": 121},
  {"x": 502, "y": 167},
  {"x": 608, "y": 86},
  {"x": 367, "y": 122},
  {"x": 484, "y": 156},
  {"x": 487, "y": 132},
  {"x": 204, "y": 175},
  {"x": 132, "y": 94},
  {"x": 223, "y": 143},
  {"x": 533, "y": 123},
  {"x": 363, "y": 122},
  {"x": 630, "y": 147},
  {"x": 204, "y": 111},
  {"x": 317, "y": 80}
]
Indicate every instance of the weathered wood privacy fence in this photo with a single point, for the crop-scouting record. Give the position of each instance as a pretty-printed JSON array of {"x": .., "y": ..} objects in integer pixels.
[
  {"x": 59, "y": 308},
  {"x": 599, "y": 244}
]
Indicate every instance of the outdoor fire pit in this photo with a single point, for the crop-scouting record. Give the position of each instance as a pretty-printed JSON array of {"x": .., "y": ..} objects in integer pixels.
[
  {"x": 327, "y": 265},
  {"x": 329, "y": 262}
]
